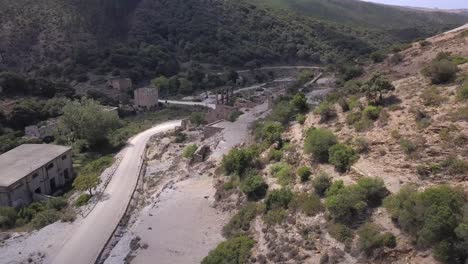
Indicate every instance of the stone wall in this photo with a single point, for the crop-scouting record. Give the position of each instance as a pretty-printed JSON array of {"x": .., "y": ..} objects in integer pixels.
[
  {"x": 146, "y": 97},
  {"x": 219, "y": 113}
]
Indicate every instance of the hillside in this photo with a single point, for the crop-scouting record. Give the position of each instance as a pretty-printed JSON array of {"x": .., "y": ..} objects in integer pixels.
[
  {"x": 404, "y": 24},
  {"x": 145, "y": 38}
]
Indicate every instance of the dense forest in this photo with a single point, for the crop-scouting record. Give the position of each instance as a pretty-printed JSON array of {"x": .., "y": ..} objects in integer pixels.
[{"x": 145, "y": 38}]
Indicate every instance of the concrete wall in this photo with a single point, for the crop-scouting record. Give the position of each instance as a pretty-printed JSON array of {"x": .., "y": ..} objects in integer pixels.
[
  {"x": 21, "y": 192},
  {"x": 146, "y": 97},
  {"x": 121, "y": 84}
]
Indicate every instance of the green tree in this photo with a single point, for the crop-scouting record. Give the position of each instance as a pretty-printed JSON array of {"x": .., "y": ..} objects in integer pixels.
[
  {"x": 299, "y": 102},
  {"x": 162, "y": 83},
  {"x": 87, "y": 182},
  {"x": 318, "y": 141},
  {"x": 88, "y": 121},
  {"x": 254, "y": 186},
  {"x": 321, "y": 183}
]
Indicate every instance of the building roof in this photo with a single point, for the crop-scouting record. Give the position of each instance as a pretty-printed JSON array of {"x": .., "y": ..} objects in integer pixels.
[{"x": 21, "y": 161}]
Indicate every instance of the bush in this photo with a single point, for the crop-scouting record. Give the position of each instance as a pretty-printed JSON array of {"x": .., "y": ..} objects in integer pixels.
[
  {"x": 408, "y": 146},
  {"x": 362, "y": 145},
  {"x": 278, "y": 199},
  {"x": 347, "y": 204},
  {"x": 462, "y": 93},
  {"x": 432, "y": 97},
  {"x": 8, "y": 217},
  {"x": 269, "y": 132},
  {"x": 235, "y": 250},
  {"x": 234, "y": 115},
  {"x": 56, "y": 203},
  {"x": 300, "y": 118},
  {"x": 345, "y": 107},
  {"x": 275, "y": 155},
  {"x": 340, "y": 232},
  {"x": 309, "y": 204},
  {"x": 254, "y": 187},
  {"x": 321, "y": 183},
  {"x": 45, "y": 218},
  {"x": 275, "y": 216},
  {"x": 299, "y": 102},
  {"x": 326, "y": 111},
  {"x": 197, "y": 118},
  {"x": 432, "y": 216},
  {"x": 304, "y": 173},
  {"x": 370, "y": 239},
  {"x": 396, "y": 58},
  {"x": 342, "y": 157},
  {"x": 441, "y": 71},
  {"x": 239, "y": 160},
  {"x": 240, "y": 222},
  {"x": 377, "y": 56},
  {"x": 318, "y": 142},
  {"x": 283, "y": 172},
  {"x": 372, "y": 112},
  {"x": 82, "y": 199},
  {"x": 189, "y": 151}
]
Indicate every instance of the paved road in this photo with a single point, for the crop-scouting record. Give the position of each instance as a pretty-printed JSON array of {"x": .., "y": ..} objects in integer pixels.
[
  {"x": 90, "y": 237},
  {"x": 212, "y": 106}
]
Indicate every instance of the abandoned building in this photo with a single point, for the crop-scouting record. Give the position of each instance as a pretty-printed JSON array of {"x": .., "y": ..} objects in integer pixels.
[
  {"x": 120, "y": 84},
  {"x": 43, "y": 130},
  {"x": 32, "y": 171},
  {"x": 146, "y": 97}
]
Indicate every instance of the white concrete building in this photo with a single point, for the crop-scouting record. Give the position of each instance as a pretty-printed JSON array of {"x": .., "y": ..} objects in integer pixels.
[{"x": 30, "y": 171}]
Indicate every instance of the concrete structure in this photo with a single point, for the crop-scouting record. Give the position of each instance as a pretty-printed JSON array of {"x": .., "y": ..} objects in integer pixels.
[
  {"x": 219, "y": 113},
  {"x": 146, "y": 97},
  {"x": 31, "y": 171},
  {"x": 120, "y": 84},
  {"x": 42, "y": 130}
]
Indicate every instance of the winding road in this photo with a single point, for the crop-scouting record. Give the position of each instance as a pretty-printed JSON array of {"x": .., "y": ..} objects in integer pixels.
[{"x": 86, "y": 242}]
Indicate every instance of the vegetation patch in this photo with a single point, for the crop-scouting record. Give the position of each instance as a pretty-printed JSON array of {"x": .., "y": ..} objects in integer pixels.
[
  {"x": 342, "y": 157},
  {"x": 370, "y": 239},
  {"x": 318, "y": 141},
  {"x": 189, "y": 151},
  {"x": 234, "y": 250},
  {"x": 240, "y": 222},
  {"x": 283, "y": 172}
]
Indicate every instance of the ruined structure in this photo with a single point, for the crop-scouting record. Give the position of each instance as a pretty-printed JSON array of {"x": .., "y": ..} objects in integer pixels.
[
  {"x": 221, "y": 112},
  {"x": 224, "y": 95},
  {"x": 146, "y": 97},
  {"x": 30, "y": 171},
  {"x": 120, "y": 84},
  {"x": 42, "y": 130}
]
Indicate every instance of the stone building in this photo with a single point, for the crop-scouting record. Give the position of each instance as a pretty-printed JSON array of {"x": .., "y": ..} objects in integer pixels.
[
  {"x": 221, "y": 112},
  {"x": 146, "y": 97},
  {"x": 31, "y": 171},
  {"x": 120, "y": 84}
]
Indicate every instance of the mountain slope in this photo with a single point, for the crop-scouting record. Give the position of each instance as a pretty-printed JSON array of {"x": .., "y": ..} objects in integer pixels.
[
  {"x": 404, "y": 23},
  {"x": 144, "y": 38}
]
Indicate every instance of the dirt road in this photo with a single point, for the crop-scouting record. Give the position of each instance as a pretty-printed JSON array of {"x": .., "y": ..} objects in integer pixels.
[{"x": 87, "y": 240}]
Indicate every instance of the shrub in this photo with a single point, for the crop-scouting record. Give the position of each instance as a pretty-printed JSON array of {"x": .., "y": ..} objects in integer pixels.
[
  {"x": 362, "y": 145},
  {"x": 275, "y": 155},
  {"x": 462, "y": 93},
  {"x": 234, "y": 115},
  {"x": 283, "y": 172},
  {"x": 309, "y": 204},
  {"x": 234, "y": 250},
  {"x": 408, "y": 146},
  {"x": 278, "y": 199},
  {"x": 343, "y": 103},
  {"x": 342, "y": 157},
  {"x": 275, "y": 216},
  {"x": 321, "y": 183},
  {"x": 269, "y": 132},
  {"x": 56, "y": 203},
  {"x": 432, "y": 217},
  {"x": 318, "y": 141},
  {"x": 326, "y": 111},
  {"x": 300, "y": 118},
  {"x": 180, "y": 137},
  {"x": 432, "y": 97},
  {"x": 189, "y": 151},
  {"x": 374, "y": 190},
  {"x": 240, "y": 222},
  {"x": 455, "y": 166},
  {"x": 370, "y": 239},
  {"x": 376, "y": 87},
  {"x": 304, "y": 173},
  {"x": 372, "y": 112},
  {"x": 68, "y": 215},
  {"x": 8, "y": 217},
  {"x": 461, "y": 114},
  {"x": 239, "y": 160},
  {"x": 254, "y": 187},
  {"x": 45, "y": 218},
  {"x": 353, "y": 117},
  {"x": 441, "y": 71},
  {"x": 299, "y": 102},
  {"x": 82, "y": 199},
  {"x": 340, "y": 232},
  {"x": 377, "y": 56},
  {"x": 197, "y": 118}
]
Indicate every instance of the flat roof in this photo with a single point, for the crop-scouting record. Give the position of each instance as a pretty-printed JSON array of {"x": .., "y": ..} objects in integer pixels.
[{"x": 22, "y": 160}]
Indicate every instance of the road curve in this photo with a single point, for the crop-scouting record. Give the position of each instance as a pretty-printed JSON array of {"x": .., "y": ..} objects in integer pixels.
[{"x": 89, "y": 238}]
